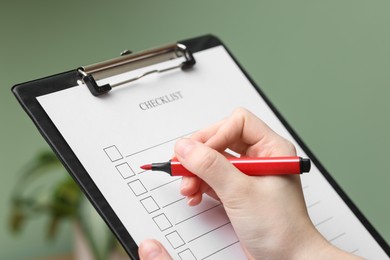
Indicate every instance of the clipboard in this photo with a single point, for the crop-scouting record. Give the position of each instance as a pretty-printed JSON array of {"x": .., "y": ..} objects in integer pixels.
[{"x": 183, "y": 61}]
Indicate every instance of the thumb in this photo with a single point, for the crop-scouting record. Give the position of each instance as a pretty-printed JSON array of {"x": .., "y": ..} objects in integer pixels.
[
  {"x": 209, "y": 165},
  {"x": 152, "y": 250}
]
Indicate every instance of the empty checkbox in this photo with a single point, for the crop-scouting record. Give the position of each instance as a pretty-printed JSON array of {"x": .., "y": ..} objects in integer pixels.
[
  {"x": 162, "y": 222},
  {"x": 113, "y": 153},
  {"x": 137, "y": 187},
  {"x": 150, "y": 204},
  {"x": 175, "y": 239},
  {"x": 187, "y": 255},
  {"x": 125, "y": 170}
]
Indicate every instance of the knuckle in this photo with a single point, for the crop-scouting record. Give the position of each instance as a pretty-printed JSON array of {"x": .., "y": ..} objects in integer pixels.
[
  {"x": 288, "y": 147},
  {"x": 240, "y": 112}
]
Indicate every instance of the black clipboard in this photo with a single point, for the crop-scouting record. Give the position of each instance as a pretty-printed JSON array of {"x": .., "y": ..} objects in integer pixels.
[{"x": 27, "y": 93}]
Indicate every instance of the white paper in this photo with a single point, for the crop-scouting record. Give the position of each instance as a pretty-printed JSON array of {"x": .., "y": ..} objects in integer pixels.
[{"x": 113, "y": 135}]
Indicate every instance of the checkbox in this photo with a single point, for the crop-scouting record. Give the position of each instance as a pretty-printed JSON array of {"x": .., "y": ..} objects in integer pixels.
[
  {"x": 125, "y": 170},
  {"x": 113, "y": 153},
  {"x": 175, "y": 239},
  {"x": 187, "y": 255},
  {"x": 150, "y": 204},
  {"x": 137, "y": 187},
  {"x": 162, "y": 222}
]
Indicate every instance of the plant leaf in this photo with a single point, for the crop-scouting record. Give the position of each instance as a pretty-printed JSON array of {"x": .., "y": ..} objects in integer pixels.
[
  {"x": 17, "y": 219},
  {"x": 43, "y": 163},
  {"x": 53, "y": 227},
  {"x": 99, "y": 236}
]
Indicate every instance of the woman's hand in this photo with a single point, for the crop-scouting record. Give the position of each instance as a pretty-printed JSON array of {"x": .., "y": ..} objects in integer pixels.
[{"x": 268, "y": 213}]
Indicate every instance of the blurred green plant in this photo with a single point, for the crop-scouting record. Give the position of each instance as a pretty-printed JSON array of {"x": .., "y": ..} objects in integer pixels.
[{"x": 45, "y": 188}]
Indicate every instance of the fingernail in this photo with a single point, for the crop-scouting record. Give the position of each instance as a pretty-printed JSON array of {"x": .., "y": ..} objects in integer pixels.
[
  {"x": 150, "y": 250},
  {"x": 184, "y": 146},
  {"x": 190, "y": 201}
]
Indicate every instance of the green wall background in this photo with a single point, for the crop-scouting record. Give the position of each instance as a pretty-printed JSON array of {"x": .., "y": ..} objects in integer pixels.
[{"x": 324, "y": 64}]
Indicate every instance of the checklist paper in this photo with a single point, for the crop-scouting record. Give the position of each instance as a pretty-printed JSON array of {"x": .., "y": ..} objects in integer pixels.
[{"x": 139, "y": 123}]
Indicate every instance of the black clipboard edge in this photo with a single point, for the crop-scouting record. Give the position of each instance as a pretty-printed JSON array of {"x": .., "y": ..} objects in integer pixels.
[
  {"x": 213, "y": 40},
  {"x": 25, "y": 94},
  {"x": 69, "y": 79}
]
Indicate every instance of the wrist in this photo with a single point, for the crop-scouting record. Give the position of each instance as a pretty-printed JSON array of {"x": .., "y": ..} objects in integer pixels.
[{"x": 315, "y": 246}]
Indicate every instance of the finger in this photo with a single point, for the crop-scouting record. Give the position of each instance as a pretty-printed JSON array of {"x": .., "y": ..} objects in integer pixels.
[
  {"x": 204, "y": 134},
  {"x": 238, "y": 132},
  {"x": 190, "y": 185},
  {"x": 193, "y": 188},
  {"x": 209, "y": 165},
  {"x": 153, "y": 250},
  {"x": 241, "y": 130},
  {"x": 197, "y": 197}
]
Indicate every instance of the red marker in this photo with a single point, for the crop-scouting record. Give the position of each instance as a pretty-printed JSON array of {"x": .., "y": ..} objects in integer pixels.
[{"x": 250, "y": 166}]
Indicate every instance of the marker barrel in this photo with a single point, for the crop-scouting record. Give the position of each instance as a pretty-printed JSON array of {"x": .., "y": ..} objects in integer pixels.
[{"x": 254, "y": 166}]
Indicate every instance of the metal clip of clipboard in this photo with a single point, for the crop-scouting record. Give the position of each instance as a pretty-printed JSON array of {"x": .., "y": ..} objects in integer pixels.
[{"x": 128, "y": 62}]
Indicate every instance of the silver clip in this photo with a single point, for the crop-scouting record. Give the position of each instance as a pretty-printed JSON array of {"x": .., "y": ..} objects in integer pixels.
[{"x": 128, "y": 62}]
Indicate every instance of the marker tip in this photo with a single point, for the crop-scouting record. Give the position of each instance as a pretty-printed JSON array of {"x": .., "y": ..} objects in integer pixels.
[{"x": 146, "y": 167}]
